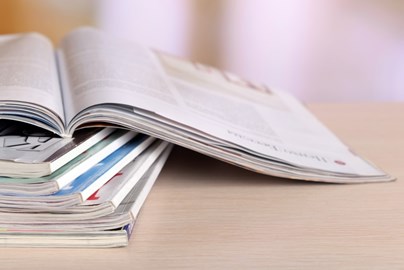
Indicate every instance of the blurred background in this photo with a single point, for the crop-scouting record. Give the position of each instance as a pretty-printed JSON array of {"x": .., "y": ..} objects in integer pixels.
[{"x": 321, "y": 51}]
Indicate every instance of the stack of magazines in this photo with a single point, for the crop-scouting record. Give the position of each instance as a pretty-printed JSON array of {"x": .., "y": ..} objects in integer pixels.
[
  {"x": 84, "y": 191},
  {"x": 85, "y": 188}
]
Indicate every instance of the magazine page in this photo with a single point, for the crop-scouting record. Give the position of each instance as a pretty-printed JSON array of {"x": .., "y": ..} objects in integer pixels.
[
  {"x": 28, "y": 74},
  {"x": 262, "y": 121},
  {"x": 230, "y": 112},
  {"x": 98, "y": 69}
]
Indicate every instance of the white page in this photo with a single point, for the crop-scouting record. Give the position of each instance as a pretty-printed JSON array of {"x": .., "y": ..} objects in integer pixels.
[
  {"x": 28, "y": 71},
  {"x": 101, "y": 69},
  {"x": 266, "y": 121}
]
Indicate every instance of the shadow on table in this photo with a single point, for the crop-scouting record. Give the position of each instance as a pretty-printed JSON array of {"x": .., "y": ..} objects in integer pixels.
[{"x": 185, "y": 165}]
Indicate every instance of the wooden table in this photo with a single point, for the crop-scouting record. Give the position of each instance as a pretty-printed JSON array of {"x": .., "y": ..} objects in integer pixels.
[{"x": 203, "y": 213}]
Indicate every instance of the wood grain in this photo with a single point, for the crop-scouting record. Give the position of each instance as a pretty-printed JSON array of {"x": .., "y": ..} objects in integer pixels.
[{"x": 205, "y": 214}]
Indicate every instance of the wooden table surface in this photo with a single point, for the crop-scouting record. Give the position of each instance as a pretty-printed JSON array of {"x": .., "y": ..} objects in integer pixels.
[{"x": 203, "y": 213}]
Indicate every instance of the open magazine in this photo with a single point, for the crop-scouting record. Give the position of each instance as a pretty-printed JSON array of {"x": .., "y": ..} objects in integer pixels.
[{"x": 96, "y": 79}]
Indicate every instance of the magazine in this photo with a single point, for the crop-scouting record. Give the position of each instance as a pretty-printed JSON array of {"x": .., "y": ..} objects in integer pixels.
[
  {"x": 108, "y": 230},
  {"x": 96, "y": 79},
  {"x": 80, "y": 188},
  {"x": 27, "y": 151},
  {"x": 52, "y": 183}
]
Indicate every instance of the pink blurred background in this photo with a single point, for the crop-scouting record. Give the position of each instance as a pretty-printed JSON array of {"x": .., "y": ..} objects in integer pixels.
[{"x": 321, "y": 51}]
